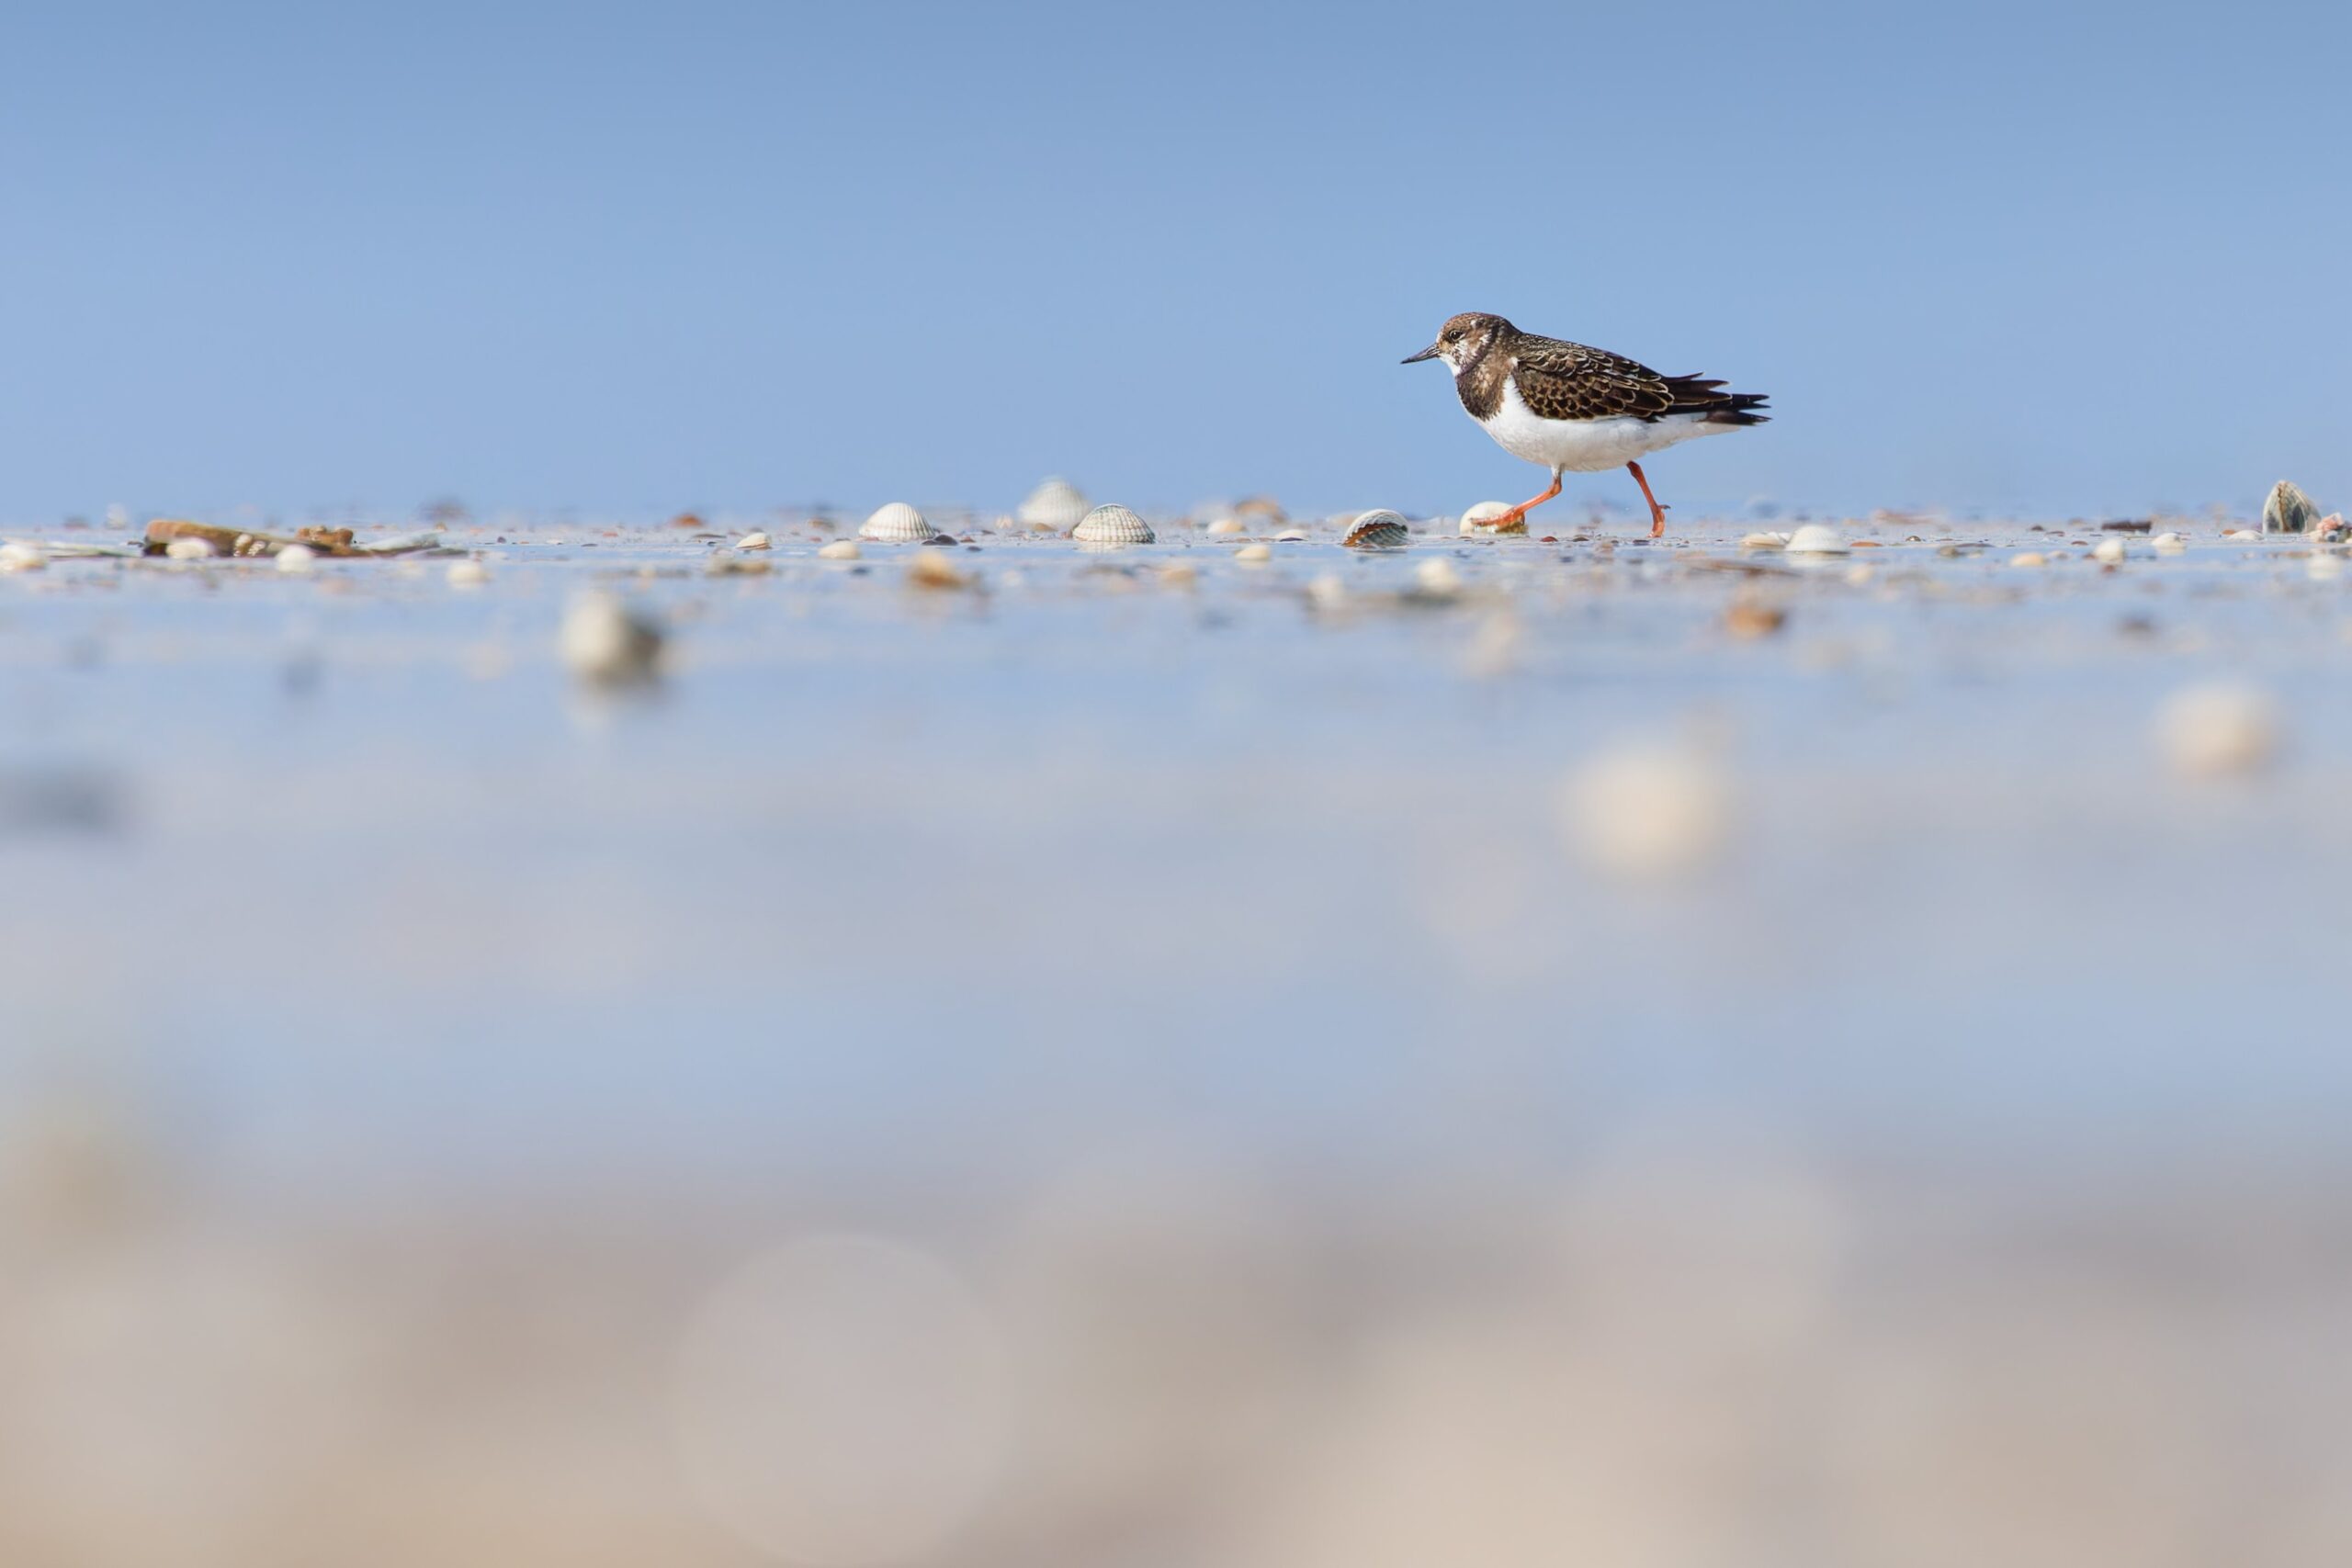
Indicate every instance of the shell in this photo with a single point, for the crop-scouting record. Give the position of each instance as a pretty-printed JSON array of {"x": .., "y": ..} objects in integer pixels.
[
  {"x": 1229, "y": 525},
  {"x": 935, "y": 568},
  {"x": 15, "y": 556},
  {"x": 2028, "y": 558},
  {"x": 2288, "y": 510},
  {"x": 897, "y": 524},
  {"x": 755, "y": 541},
  {"x": 1377, "y": 530},
  {"x": 190, "y": 550},
  {"x": 1480, "y": 519},
  {"x": 1253, "y": 555},
  {"x": 1113, "y": 525},
  {"x": 1646, "y": 814},
  {"x": 2169, "y": 544},
  {"x": 1436, "y": 578},
  {"x": 606, "y": 642},
  {"x": 1816, "y": 539},
  {"x": 2110, "y": 552},
  {"x": 1056, "y": 504},
  {"x": 297, "y": 557},
  {"x": 2218, "y": 729},
  {"x": 839, "y": 550},
  {"x": 468, "y": 573}
]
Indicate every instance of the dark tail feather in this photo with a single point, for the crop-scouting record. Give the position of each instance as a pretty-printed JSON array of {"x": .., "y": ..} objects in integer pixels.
[{"x": 1694, "y": 394}]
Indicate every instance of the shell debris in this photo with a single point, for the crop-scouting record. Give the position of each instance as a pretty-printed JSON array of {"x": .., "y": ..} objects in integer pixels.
[
  {"x": 1480, "y": 519},
  {"x": 1055, "y": 506},
  {"x": 2287, "y": 509},
  {"x": 605, "y": 641},
  {"x": 1377, "y": 530},
  {"x": 897, "y": 524},
  {"x": 2219, "y": 730},
  {"x": 839, "y": 550},
  {"x": 1763, "y": 541},
  {"x": 1113, "y": 525}
]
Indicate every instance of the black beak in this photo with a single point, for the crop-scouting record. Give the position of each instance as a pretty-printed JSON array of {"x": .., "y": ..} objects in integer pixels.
[{"x": 1429, "y": 353}]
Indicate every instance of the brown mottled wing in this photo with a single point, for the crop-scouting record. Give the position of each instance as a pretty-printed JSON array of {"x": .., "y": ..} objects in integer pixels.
[{"x": 1569, "y": 380}]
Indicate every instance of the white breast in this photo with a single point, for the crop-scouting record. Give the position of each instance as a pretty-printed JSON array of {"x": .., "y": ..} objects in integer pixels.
[{"x": 1587, "y": 445}]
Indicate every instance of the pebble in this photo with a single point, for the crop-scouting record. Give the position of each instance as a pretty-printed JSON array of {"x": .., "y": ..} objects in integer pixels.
[
  {"x": 605, "y": 641},
  {"x": 297, "y": 558},
  {"x": 753, "y": 541},
  {"x": 2028, "y": 558},
  {"x": 2219, "y": 730},
  {"x": 1816, "y": 539},
  {"x": 2110, "y": 552},
  {"x": 190, "y": 550},
  {"x": 469, "y": 573},
  {"x": 1438, "y": 576},
  {"x": 1648, "y": 814},
  {"x": 2169, "y": 544},
  {"x": 839, "y": 550},
  {"x": 1251, "y": 555}
]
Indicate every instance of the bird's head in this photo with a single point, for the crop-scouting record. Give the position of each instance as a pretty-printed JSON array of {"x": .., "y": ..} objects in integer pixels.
[{"x": 1464, "y": 340}]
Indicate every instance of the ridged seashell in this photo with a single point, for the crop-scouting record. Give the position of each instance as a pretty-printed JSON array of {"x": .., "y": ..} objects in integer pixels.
[
  {"x": 1113, "y": 525},
  {"x": 1816, "y": 539},
  {"x": 839, "y": 550},
  {"x": 1377, "y": 530},
  {"x": 897, "y": 524},
  {"x": 1480, "y": 519},
  {"x": 605, "y": 641},
  {"x": 1056, "y": 504},
  {"x": 2288, "y": 510}
]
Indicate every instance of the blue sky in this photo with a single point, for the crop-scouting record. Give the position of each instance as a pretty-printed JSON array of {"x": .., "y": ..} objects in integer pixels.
[{"x": 2056, "y": 258}]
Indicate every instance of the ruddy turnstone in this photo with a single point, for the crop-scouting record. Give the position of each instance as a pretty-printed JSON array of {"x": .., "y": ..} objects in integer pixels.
[{"x": 1567, "y": 406}]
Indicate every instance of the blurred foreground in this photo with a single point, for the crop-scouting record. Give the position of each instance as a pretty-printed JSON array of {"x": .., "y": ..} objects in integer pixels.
[{"x": 1654, "y": 1056}]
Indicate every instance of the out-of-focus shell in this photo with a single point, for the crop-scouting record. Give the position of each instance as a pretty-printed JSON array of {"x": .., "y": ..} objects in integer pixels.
[
  {"x": 2288, "y": 510},
  {"x": 1265, "y": 508},
  {"x": 2169, "y": 543},
  {"x": 1113, "y": 525},
  {"x": 1056, "y": 504},
  {"x": 897, "y": 524},
  {"x": 1229, "y": 525},
  {"x": 839, "y": 550},
  {"x": 16, "y": 556},
  {"x": 190, "y": 550},
  {"x": 1377, "y": 530},
  {"x": 1816, "y": 539},
  {"x": 755, "y": 541},
  {"x": 1480, "y": 519},
  {"x": 606, "y": 642}
]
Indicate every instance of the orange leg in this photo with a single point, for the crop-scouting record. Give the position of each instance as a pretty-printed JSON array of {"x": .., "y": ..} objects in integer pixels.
[
  {"x": 1658, "y": 512},
  {"x": 1517, "y": 516}
]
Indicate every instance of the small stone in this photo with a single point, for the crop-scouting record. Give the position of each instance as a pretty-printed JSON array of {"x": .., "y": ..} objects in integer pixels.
[
  {"x": 839, "y": 550},
  {"x": 468, "y": 573},
  {"x": 605, "y": 642},
  {"x": 2110, "y": 552},
  {"x": 1253, "y": 555},
  {"x": 297, "y": 558},
  {"x": 1816, "y": 539},
  {"x": 2219, "y": 730},
  {"x": 190, "y": 550},
  {"x": 753, "y": 541}
]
